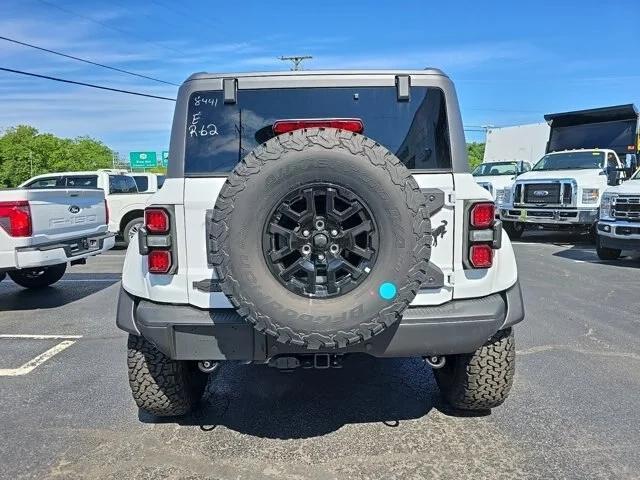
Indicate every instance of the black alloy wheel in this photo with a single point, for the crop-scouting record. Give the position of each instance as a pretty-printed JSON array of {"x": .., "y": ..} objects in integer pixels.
[{"x": 321, "y": 241}]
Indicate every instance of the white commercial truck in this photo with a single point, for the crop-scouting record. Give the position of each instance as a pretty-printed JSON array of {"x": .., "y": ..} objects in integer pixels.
[
  {"x": 587, "y": 151},
  {"x": 43, "y": 230}
]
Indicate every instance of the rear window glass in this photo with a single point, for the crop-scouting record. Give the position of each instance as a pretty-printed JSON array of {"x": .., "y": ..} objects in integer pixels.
[
  {"x": 88, "y": 181},
  {"x": 218, "y": 135},
  {"x": 122, "y": 184},
  {"x": 161, "y": 179},
  {"x": 51, "y": 182},
  {"x": 142, "y": 182}
]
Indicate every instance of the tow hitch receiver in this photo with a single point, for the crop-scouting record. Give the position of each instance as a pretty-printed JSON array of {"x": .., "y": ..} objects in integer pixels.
[{"x": 318, "y": 361}]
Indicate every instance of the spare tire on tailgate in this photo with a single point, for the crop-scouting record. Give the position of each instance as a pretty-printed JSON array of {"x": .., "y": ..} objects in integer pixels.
[{"x": 320, "y": 237}]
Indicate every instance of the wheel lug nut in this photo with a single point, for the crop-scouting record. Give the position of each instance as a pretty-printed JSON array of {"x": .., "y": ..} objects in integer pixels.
[
  {"x": 334, "y": 233},
  {"x": 321, "y": 257},
  {"x": 306, "y": 233},
  {"x": 306, "y": 249},
  {"x": 334, "y": 248}
]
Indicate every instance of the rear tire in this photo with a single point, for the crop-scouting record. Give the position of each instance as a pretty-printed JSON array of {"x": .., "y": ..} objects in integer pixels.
[
  {"x": 130, "y": 229},
  {"x": 605, "y": 253},
  {"x": 38, "y": 277},
  {"x": 480, "y": 380},
  {"x": 513, "y": 229},
  {"x": 160, "y": 385}
]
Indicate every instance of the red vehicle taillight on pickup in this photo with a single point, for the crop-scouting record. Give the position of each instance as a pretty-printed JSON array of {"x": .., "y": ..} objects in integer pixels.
[
  {"x": 15, "y": 218},
  {"x": 484, "y": 235},
  {"x": 155, "y": 240}
]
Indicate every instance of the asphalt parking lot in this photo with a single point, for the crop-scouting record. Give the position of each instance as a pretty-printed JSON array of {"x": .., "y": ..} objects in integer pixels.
[{"x": 66, "y": 409}]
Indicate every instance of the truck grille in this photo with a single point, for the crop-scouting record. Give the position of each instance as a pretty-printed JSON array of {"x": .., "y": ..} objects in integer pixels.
[
  {"x": 627, "y": 208},
  {"x": 545, "y": 193},
  {"x": 551, "y": 193}
]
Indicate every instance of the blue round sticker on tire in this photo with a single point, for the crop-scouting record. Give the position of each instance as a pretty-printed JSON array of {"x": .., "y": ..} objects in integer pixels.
[{"x": 387, "y": 291}]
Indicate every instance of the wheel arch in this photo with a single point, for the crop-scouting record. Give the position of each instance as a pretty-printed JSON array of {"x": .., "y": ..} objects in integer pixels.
[{"x": 130, "y": 215}]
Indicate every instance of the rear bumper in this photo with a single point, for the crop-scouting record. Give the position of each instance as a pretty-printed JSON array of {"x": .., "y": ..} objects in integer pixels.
[
  {"x": 550, "y": 216},
  {"x": 63, "y": 252},
  {"x": 187, "y": 333}
]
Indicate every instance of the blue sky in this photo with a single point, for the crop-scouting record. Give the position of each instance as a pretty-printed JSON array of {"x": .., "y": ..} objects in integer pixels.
[{"x": 511, "y": 61}]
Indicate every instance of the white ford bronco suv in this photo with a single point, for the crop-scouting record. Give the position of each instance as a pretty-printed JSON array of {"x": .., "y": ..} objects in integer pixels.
[{"x": 310, "y": 215}]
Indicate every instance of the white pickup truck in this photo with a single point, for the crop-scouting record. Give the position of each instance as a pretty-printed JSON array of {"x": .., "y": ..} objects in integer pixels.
[
  {"x": 497, "y": 177},
  {"x": 148, "y": 182},
  {"x": 124, "y": 201},
  {"x": 619, "y": 224},
  {"x": 41, "y": 230}
]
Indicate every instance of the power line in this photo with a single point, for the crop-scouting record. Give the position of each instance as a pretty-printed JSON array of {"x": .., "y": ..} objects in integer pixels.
[
  {"x": 106, "y": 25},
  {"x": 86, "y": 61},
  {"x": 63, "y": 80}
]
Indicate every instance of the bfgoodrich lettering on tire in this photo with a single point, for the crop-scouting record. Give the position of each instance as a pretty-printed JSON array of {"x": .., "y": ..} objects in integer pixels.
[{"x": 320, "y": 238}]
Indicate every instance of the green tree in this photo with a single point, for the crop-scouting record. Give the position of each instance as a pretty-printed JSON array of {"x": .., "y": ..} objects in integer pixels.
[
  {"x": 475, "y": 151},
  {"x": 24, "y": 152}
]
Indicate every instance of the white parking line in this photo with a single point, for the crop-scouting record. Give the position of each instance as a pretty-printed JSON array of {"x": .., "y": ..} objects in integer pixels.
[
  {"x": 80, "y": 280},
  {"x": 40, "y": 359},
  {"x": 40, "y": 337}
]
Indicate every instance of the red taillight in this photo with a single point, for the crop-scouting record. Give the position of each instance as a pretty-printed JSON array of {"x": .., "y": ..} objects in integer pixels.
[
  {"x": 350, "y": 124},
  {"x": 482, "y": 215},
  {"x": 481, "y": 256},
  {"x": 156, "y": 220},
  {"x": 159, "y": 261},
  {"x": 15, "y": 218}
]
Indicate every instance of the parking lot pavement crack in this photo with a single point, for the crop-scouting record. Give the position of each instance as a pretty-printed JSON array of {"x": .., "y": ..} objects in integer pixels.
[{"x": 547, "y": 348}]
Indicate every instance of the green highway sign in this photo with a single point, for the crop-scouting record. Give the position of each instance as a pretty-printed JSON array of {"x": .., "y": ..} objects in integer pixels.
[
  {"x": 165, "y": 158},
  {"x": 143, "y": 159}
]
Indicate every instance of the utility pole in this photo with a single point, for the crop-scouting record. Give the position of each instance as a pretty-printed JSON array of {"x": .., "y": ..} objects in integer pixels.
[{"x": 296, "y": 61}]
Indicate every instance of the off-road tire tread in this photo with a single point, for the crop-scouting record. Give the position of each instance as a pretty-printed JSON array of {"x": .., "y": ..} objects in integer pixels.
[
  {"x": 160, "y": 385},
  {"x": 307, "y": 139},
  {"x": 481, "y": 380}
]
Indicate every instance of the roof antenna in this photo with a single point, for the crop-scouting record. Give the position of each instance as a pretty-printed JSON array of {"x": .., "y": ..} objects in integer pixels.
[{"x": 296, "y": 61}]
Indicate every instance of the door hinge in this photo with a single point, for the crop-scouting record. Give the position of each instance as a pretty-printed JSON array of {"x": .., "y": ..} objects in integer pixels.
[
  {"x": 449, "y": 279},
  {"x": 450, "y": 199}
]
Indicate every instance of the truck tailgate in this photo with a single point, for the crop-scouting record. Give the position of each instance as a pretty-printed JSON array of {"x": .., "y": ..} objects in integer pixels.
[{"x": 59, "y": 214}]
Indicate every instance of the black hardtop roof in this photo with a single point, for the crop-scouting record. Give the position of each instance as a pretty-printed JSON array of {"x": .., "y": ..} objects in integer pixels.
[{"x": 593, "y": 115}]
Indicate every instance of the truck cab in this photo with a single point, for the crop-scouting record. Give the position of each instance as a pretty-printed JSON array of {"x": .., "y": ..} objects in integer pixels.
[{"x": 587, "y": 152}]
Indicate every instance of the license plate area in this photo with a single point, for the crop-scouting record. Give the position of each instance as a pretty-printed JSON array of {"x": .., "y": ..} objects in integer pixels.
[{"x": 83, "y": 245}]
